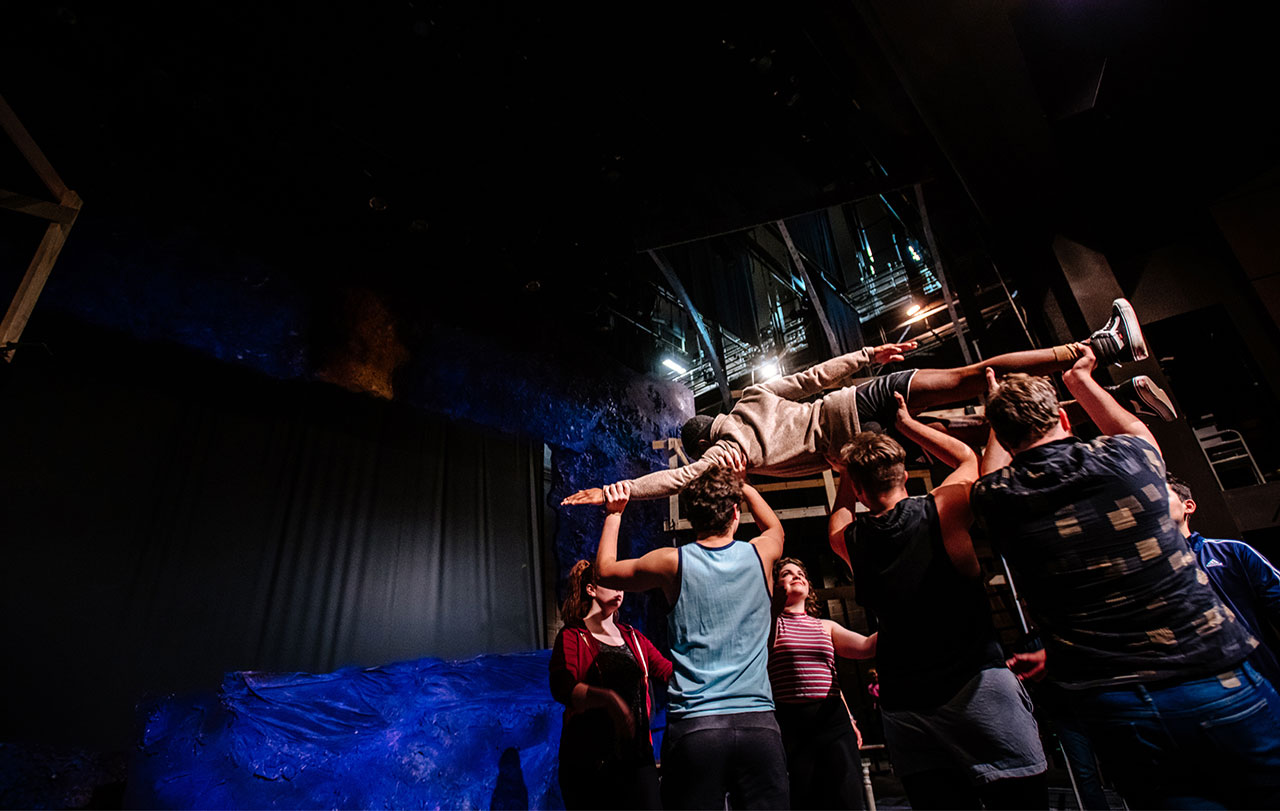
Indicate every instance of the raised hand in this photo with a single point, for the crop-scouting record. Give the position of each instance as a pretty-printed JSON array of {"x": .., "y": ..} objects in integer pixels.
[
  {"x": 592, "y": 495},
  {"x": 993, "y": 385},
  {"x": 736, "y": 460},
  {"x": 902, "y": 414},
  {"x": 616, "y": 496},
  {"x": 1085, "y": 364},
  {"x": 891, "y": 353}
]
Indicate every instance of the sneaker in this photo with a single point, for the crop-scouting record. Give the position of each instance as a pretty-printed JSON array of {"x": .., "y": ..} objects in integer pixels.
[
  {"x": 1120, "y": 341},
  {"x": 1144, "y": 398}
]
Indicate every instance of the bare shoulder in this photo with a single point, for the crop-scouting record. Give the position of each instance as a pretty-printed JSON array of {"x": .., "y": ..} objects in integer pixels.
[
  {"x": 664, "y": 558},
  {"x": 952, "y": 494}
]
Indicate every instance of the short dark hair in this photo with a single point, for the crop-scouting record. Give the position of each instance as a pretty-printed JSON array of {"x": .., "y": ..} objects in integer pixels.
[
  {"x": 695, "y": 431},
  {"x": 1179, "y": 486},
  {"x": 710, "y": 499},
  {"x": 1023, "y": 409},
  {"x": 875, "y": 461}
]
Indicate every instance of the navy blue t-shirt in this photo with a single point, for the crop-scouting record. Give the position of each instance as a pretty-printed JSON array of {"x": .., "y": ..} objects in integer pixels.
[{"x": 1107, "y": 575}]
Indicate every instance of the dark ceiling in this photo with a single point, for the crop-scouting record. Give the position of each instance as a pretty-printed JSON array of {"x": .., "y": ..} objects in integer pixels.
[{"x": 448, "y": 154}]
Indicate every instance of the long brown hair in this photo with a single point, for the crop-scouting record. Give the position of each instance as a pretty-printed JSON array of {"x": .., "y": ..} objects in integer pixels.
[
  {"x": 810, "y": 600},
  {"x": 576, "y": 600}
]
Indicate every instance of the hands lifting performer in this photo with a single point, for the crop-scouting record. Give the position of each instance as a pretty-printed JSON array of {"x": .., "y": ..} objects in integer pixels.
[{"x": 771, "y": 433}]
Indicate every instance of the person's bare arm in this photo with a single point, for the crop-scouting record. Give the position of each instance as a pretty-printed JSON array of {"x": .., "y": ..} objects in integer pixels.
[
  {"x": 769, "y": 542},
  {"x": 955, "y": 518},
  {"x": 994, "y": 455},
  {"x": 841, "y": 517},
  {"x": 1110, "y": 417},
  {"x": 831, "y": 373},
  {"x": 850, "y": 644},
  {"x": 656, "y": 569},
  {"x": 947, "y": 449}
]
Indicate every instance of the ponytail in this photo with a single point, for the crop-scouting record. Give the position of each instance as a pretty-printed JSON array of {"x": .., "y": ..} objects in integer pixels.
[{"x": 576, "y": 601}]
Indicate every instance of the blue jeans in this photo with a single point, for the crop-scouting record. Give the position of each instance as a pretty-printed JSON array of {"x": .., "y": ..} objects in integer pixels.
[{"x": 1204, "y": 743}]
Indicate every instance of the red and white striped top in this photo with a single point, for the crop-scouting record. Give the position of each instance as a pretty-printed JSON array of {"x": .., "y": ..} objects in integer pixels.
[{"x": 802, "y": 665}]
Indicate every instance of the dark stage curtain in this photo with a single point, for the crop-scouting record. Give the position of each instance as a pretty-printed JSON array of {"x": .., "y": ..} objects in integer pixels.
[
  {"x": 718, "y": 279},
  {"x": 167, "y": 519},
  {"x": 813, "y": 237}
]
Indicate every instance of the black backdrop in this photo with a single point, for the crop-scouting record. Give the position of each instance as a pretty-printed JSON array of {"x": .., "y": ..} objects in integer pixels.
[{"x": 167, "y": 518}]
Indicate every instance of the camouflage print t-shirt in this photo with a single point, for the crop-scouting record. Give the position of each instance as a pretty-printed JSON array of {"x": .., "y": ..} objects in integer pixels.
[{"x": 1116, "y": 593}]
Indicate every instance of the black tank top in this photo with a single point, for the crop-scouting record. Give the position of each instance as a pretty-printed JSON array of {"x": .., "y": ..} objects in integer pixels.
[{"x": 935, "y": 624}]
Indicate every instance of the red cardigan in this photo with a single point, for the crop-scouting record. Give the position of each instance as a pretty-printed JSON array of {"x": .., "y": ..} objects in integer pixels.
[{"x": 574, "y": 656}]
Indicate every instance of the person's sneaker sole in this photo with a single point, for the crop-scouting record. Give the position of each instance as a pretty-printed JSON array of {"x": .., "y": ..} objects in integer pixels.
[
  {"x": 1154, "y": 398},
  {"x": 1135, "y": 344}
]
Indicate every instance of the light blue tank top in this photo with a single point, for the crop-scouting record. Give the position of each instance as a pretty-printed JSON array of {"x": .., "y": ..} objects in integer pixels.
[{"x": 719, "y": 633}]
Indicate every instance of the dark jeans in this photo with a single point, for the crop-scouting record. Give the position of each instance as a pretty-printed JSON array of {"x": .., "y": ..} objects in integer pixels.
[
  {"x": 1084, "y": 765},
  {"x": 738, "y": 754},
  {"x": 827, "y": 775},
  {"x": 610, "y": 786},
  {"x": 1204, "y": 743}
]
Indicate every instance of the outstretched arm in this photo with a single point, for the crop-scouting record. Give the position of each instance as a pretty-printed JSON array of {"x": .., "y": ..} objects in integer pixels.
[
  {"x": 769, "y": 543},
  {"x": 841, "y": 517},
  {"x": 850, "y": 644},
  {"x": 657, "y": 569},
  {"x": 1110, "y": 417},
  {"x": 950, "y": 451},
  {"x": 663, "y": 483},
  {"x": 833, "y": 372}
]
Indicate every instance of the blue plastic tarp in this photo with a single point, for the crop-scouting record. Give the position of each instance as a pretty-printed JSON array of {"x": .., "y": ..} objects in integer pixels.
[{"x": 478, "y": 733}]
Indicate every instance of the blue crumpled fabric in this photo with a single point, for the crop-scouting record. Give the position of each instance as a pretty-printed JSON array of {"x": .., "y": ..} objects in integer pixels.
[{"x": 477, "y": 733}]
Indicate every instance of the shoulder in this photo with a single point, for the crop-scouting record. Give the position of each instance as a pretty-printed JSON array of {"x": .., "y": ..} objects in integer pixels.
[
  {"x": 572, "y": 629},
  {"x": 569, "y": 637},
  {"x": 664, "y": 553},
  {"x": 1129, "y": 447},
  {"x": 956, "y": 493},
  {"x": 1238, "y": 550},
  {"x": 987, "y": 485}
]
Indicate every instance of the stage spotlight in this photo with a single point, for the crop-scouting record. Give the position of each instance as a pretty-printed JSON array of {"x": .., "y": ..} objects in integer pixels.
[
  {"x": 673, "y": 366},
  {"x": 768, "y": 370},
  {"x": 913, "y": 309}
]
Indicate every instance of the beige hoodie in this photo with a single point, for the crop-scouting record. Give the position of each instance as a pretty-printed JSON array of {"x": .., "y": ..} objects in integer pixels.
[{"x": 779, "y": 436}]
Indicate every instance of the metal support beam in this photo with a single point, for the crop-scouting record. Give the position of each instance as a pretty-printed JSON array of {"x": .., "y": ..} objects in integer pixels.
[
  {"x": 941, "y": 273},
  {"x": 812, "y": 289},
  {"x": 669, "y": 273}
]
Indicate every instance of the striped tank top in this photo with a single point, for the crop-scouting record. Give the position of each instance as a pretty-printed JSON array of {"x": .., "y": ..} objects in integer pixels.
[
  {"x": 802, "y": 665},
  {"x": 719, "y": 633}
]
